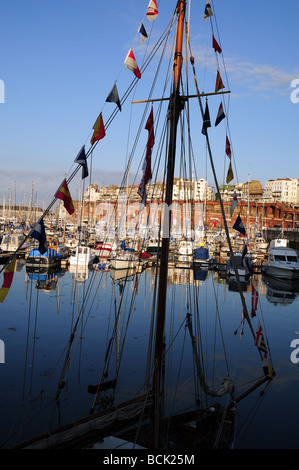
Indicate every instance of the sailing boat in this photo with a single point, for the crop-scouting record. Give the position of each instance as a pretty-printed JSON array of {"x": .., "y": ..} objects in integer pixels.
[{"x": 148, "y": 420}]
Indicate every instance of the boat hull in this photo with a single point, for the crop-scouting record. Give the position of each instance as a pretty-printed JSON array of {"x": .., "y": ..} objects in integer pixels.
[{"x": 291, "y": 274}]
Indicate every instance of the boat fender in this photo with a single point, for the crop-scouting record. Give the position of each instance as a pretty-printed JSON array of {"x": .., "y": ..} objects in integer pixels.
[{"x": 227, "y": 386}]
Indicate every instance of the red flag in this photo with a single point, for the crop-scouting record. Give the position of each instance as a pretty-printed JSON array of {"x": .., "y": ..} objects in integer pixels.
[
  {"x": 64, "y": 194},
  {"x": 147, "y": 171},
  {"x": 216, "y": 46},
  {"x": 131, "y": 64},
  {"x": 227, "y": 148},
  {"x": 219, "y": 84},
  {"x": 99, "y": 130}
]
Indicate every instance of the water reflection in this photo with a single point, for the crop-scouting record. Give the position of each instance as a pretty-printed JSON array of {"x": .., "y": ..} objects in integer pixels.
[{"x": 280, "y": 291}]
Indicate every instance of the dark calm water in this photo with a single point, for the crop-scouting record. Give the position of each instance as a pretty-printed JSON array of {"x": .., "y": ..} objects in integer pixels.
[{"x": 36, "y": 327}]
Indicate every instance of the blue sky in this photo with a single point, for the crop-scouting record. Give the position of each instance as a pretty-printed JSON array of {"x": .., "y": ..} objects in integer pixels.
[{"x": 59, "y": 61}]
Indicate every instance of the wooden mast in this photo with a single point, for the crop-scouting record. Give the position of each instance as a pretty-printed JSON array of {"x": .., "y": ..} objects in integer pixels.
[{"x": 175, "y": 107}]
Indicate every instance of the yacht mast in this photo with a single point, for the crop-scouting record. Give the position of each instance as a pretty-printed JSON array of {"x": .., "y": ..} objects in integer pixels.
[{"x": 175, "y": 107}]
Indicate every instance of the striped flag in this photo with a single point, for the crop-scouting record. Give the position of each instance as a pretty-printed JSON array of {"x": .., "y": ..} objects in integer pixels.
[
  {"x": 131, "y": 64},
  {"x": 39, "y": 234},
  {"x": 143, "y": 33},
  {"x": 219, "y": 84},
  {"x": 64, "y": 194},
  {"x": 7, "y": 280},
  {"x": 220, "y": 115},
  {"x": 259, "y": 339},
  {"x": 81, "y": 159},
  {"x": 152, "y": 10},
  {"x": 99, "y": 130},
  {"x": 208, "y": 10}
]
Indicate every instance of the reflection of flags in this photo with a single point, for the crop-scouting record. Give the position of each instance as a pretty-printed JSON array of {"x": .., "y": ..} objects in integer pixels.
[
  {"x": 254, "y": 300},
  {"x": 7, "y": 280},
  {"x": 143, "y": 33},
  {"x": 99, "y": 130},
  {"x": 147, "y": 171},
  {"x": 39, "y": 234},
  {"x": 238, "y": 225},
  {"x": 244, "y": 251},
  {"x": 234, "y": 203},
  {"x": 64, "y": 194},
  {"x": 208, "y": 10},
  {"x": 220, "y": 115},
  {"x": 267, "y": 368},
  {"x": 219, "y": 84},
  {"x": 113, "y": 97},
  {"x": 259, "y": 339},
  {"x": 131, "y": 64},
  {"x": 216, "y": 46},
  {"x": 227, "y": 148},
  {"x": 206, "y": 120},
  {"x": 230, "y": 174},
  {"x": 152, "y": 10},
  {"x": 81, "y": 159}
]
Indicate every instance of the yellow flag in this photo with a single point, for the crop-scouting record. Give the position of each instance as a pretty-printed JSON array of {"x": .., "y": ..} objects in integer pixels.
[{"x": 230, "y": 174}]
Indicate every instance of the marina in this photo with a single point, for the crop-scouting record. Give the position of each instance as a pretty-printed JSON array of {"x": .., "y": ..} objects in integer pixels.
[
  {"x": 150, "y": 324},
  {"x": 38, "y": 317}
]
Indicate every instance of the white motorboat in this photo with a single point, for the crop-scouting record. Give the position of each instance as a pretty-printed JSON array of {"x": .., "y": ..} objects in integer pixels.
[
  {"x": 11, "y": 242},
  {"x": 125, "y": 260},
  {"x": 283, "y": 263},
  {"x": 83, "y": 256}
]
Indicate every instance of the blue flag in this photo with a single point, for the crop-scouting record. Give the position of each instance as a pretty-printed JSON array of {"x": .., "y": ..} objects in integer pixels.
[
  {"x": 206, "y": 120},
  {"x": 113, "y": 97},
  {"x": 81, "y": 159},
  {"x": 143, "y": 33},
  {"x": 39, "y": 234},
  {"x": 238, "y": 225}
]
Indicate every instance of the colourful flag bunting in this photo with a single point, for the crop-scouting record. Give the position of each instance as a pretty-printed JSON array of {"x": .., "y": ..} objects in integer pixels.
[
  {"x": 227, "y": 148},
  {"x": 216, "y": 46},
  {"x": 230, "y": 174},
  {"x": 238, "y": 225},
  {"x": 143, "y": 33},
  {"x": 64, "y": 194},
  {"x": 113, "y": 97},
  {"x": 234, "y": 203},
  {"x": 259, "y": 339},
  {"x": 219, "y": 84},
  {"x": 152, "y": 10},
  {"x": 147, "y": 171},
  {"x": 7, "y": 280},
  {"x": 206, "y": 120},
  {"x": 81, "y": 159},
  {"x": 39, "y": 234},
  {"x": 220, "y": 115},
  {"x": 254, "y": 300},
  {"x": 99, "y": 130},
  {"x": 131, "y": 64},
  {"x": 208, "y": 10}
]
